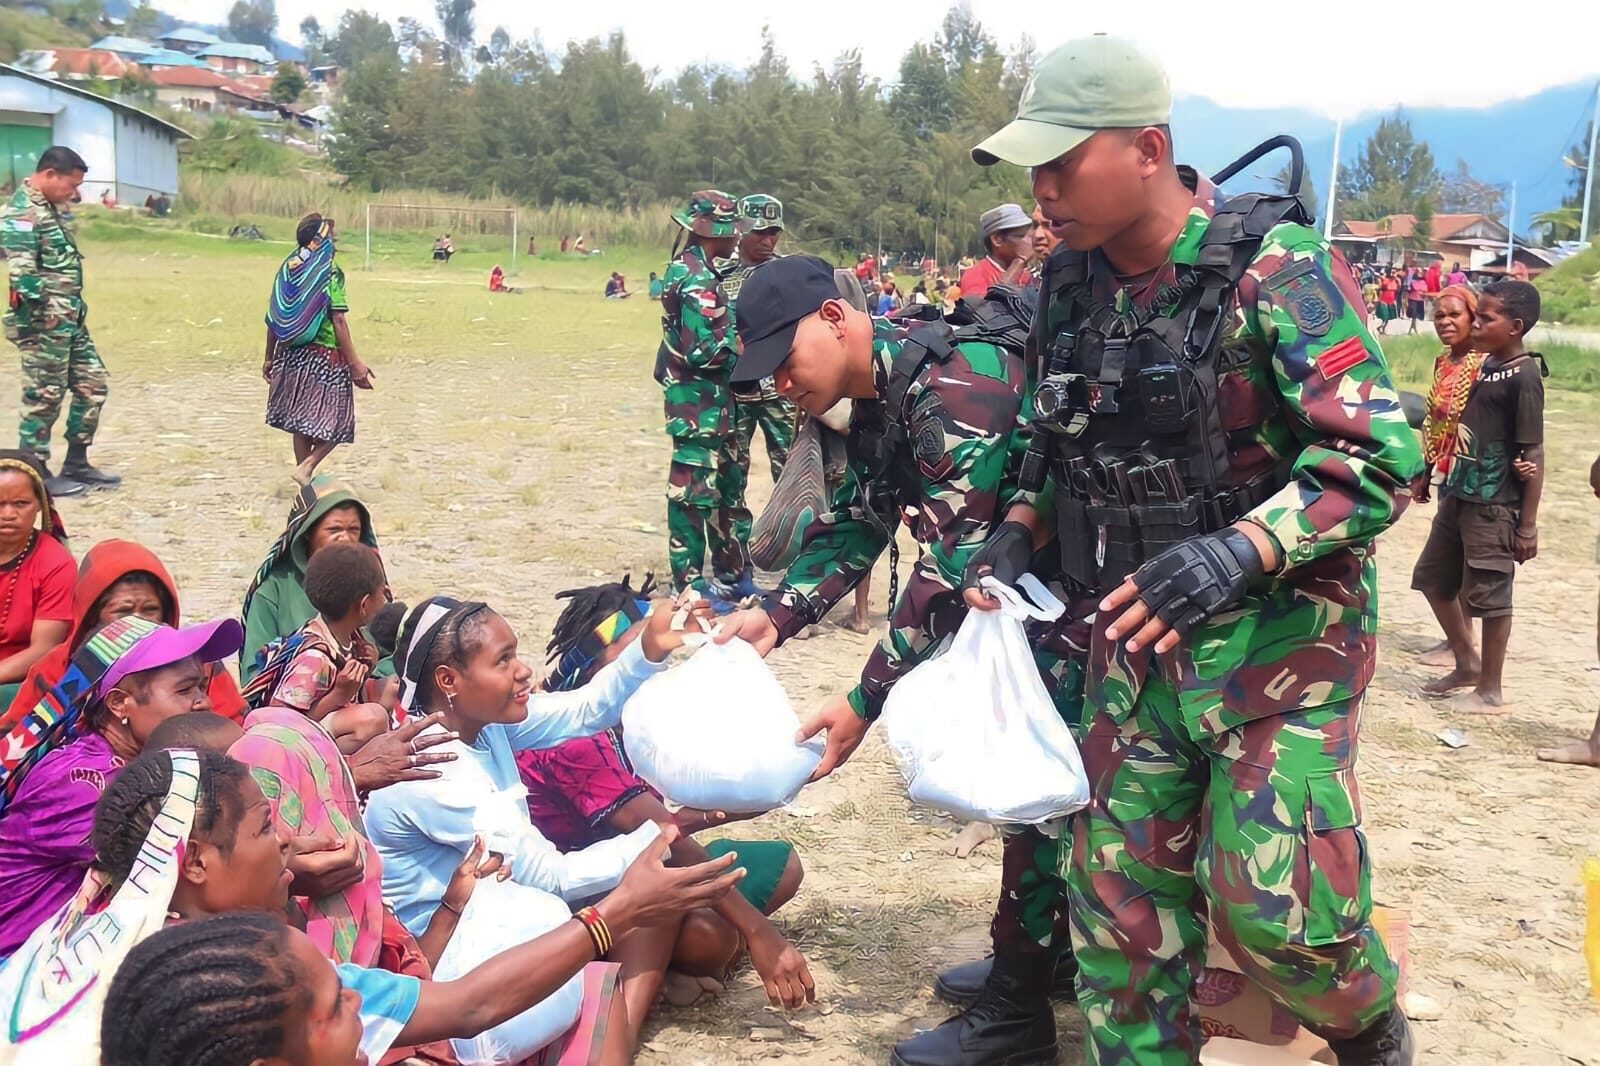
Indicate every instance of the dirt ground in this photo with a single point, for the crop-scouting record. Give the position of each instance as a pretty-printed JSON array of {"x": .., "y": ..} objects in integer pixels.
[{"x": 514, "y": 449}]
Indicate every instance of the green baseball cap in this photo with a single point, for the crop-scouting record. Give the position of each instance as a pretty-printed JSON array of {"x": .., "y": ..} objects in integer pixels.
[
  {"x": 1086, "y": 85},
  {"x": 711, "y": 213},
  {"x": 763, "y": 211}
]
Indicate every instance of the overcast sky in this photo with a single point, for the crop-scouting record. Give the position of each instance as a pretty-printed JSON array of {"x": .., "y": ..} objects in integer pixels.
[{"x": 1334, "y": 58}]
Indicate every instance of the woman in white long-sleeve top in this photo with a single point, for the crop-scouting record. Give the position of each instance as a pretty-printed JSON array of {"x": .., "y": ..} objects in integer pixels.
[{"x": 461, "y": 659}]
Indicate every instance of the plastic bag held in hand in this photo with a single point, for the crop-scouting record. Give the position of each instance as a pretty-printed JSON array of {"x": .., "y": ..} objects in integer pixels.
[
  {"x": 973, "y": 729},
  {"x": 717, "y": 733}
]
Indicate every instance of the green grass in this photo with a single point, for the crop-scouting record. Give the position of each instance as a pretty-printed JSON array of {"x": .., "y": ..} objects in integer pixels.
[
  {"x": 1411, "y": 360},
  {"x": 1571, "y": 292}
]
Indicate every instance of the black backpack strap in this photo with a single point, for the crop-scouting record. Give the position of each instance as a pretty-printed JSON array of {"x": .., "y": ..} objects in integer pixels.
[
  {"x": 935, "y": 340},
  {"x": 1230, "y": 245},
  {"x": 1003, "y": 319}
]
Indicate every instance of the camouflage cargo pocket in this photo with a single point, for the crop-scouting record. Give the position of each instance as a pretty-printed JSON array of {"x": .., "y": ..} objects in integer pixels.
[{"x": 1332, "y": 866}]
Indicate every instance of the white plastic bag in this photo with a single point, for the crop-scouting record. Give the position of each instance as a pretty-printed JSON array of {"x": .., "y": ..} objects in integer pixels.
[
  {"x": 973, "y": 729},
  {"x": 500, "y": 915},
  {"x": 717, "y": 733}
]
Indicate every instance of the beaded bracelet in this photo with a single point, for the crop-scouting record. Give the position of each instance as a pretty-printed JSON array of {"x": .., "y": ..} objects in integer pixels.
[{"x": 599, "y": 932}]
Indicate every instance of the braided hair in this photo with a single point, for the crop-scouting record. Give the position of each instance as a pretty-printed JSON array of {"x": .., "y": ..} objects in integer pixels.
[
  {"x": 128, "y": 808},
  {"x": 215, "y": 992},
  {"x": 588, "y": 607},
  {"x": 458, "y": 638}
]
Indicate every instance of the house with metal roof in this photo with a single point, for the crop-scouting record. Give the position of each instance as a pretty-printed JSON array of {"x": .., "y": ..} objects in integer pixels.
[
  {"x": 190, "y": 39},
  {"x": 126, "y": 47},
  {"x": 238, "y": 58},
  {"x": 129, "y": 151},
  {"x": 166, "y": 57}
]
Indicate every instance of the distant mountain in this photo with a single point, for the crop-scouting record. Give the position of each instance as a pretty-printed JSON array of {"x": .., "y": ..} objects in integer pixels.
[{"x": 1519, "y": 140}]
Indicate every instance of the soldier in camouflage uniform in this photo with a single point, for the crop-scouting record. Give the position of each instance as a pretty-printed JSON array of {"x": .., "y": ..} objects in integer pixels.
[
  {"x": 698, "y": 341},
  {"x": 1232, "y": 551},
  {"x": 47, "y": 320},
  {"x": 759, "y": 406},
  {"x": 935, "y": 433}
]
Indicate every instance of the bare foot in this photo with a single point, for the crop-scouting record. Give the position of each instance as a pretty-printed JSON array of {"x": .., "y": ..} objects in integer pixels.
[
  {"x": 858, "y": 624},
  {"x": 1478, "y": 703},
  {"x": 1577, "y": 753},
  {"x": 1438, "y": 655},
  {"x": 1455, "y": 679},
  {"x": 303, "y": 476}
]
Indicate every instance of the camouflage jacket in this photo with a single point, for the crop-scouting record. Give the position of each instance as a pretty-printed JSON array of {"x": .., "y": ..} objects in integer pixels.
[
  {"x": 43, "y": 261},
  {"x": 1299, "y": 378},
  {"x": 964, "y": 418},
  {"x": 697, "y": 327},
  {"x": 766, "y": 389}
]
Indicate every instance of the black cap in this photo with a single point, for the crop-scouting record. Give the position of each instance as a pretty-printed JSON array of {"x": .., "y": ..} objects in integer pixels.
[{"x": 772, "y": 301}]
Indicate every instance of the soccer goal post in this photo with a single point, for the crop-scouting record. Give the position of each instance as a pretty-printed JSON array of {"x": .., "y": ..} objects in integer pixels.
[{"x": 468, "y": 223}]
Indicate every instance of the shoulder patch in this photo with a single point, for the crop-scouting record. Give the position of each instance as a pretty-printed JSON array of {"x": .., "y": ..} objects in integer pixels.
[
  {"x": 1348, "y": 353},
  {"x": 1309, "y": 296}
]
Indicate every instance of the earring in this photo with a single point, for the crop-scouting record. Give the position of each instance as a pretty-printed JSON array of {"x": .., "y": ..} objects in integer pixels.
[
  {"x": 450, "y": 701},
  {"x": 124, "y": 723}
]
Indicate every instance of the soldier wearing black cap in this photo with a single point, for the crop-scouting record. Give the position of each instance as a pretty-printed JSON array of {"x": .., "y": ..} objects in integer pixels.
[{"x": 937, "y": 415}]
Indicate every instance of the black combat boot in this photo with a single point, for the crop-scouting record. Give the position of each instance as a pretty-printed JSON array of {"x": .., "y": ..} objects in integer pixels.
[
  {"x": 961, "y": 984},
  {"x": 1386, "y": 1042},
  {"x": 1011, "y": 1024},
  {"x": 77, "y": 468},
  {"x": 58, "y": 486}
]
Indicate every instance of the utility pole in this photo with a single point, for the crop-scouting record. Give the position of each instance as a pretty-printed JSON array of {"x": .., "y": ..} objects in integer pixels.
[
  {"x": 1511, "y": 230},
  {"x": 1333, "y": 183},
  {"x": 1588, "y": 177}
]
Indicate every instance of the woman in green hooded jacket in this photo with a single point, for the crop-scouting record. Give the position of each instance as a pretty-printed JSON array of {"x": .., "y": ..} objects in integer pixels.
[{"x": 326, "y": 512}]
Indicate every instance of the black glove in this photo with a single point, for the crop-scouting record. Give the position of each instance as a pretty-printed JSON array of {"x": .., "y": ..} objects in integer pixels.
[
  {"x": 1005, "y": 556},
  {"x": 1194, "y": 580}
]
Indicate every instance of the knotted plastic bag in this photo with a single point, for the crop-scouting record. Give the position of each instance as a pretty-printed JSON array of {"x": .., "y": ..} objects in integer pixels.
[
  {"x": 973, "y": 729},
  {"x": 717, "y": 733}
]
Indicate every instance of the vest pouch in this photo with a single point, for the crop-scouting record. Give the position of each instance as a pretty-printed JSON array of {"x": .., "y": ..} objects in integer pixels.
[
  {"x": 1078, "y": 541},
  {"x": 1161, "y": 525},
  {"x": 1117, "y": 547}
]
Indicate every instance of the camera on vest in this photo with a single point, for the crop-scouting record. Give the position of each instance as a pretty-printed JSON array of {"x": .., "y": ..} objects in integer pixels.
[{"x": 1060, "y": 403}]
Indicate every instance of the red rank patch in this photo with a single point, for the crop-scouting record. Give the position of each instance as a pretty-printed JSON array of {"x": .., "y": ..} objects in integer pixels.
[{"x": 1341, "y": 357}]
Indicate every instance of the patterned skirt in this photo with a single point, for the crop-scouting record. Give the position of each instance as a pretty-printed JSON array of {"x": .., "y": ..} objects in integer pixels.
[{"x": 311, "y": 394}]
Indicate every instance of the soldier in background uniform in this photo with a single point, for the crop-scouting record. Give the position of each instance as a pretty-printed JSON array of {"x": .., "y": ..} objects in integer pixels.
[
  {"x": 699, "y": 349},
  {"x": 47, "y": 321},
  {"x": 936, "y": 425},
  {"x": 1224, "y": 442},
  {"x": 757, "y": 404}
]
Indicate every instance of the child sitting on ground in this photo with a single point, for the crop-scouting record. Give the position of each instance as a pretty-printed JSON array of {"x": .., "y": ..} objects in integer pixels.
[
  {"x": 1488, "y": 518},
  {"x": 325, "y": 670}
]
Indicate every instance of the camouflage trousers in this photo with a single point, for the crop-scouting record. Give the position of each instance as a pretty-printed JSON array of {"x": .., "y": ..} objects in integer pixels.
[
  {"x": 55, "y": 362},
  {"x": 1260, "y": 828},
  {"x": 702, "y": 502},
  {"x": 775, "y": 420}
]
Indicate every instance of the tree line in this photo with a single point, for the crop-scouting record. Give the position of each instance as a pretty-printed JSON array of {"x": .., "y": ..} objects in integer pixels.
[{"x": 855, "y": 162}]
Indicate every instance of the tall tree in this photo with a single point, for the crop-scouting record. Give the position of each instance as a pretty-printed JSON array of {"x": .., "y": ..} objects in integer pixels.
[
  {"x": 1462, "y": 194},
  {"x": 459, "y": 22},
  {"x": 253, "y": 21},
  {"x": 288, "y": 84},
  {"x": 143, "y": 19},
  {"x": 500, "y": 44},
  {"x": 1393, "y": 174},
  {"x": 360, "y": 36}
]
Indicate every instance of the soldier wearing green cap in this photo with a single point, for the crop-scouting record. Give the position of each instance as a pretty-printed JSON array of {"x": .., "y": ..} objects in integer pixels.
[
  {"x": 1224, "y": 442},
  {"x": 758, "y": 405},
  {"x": 699, "y": 346}
]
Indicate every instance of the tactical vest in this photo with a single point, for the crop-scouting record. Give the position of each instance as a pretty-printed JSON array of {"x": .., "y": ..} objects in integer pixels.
[
  {"x": 1128, "y": 407},
  {"x": 883, "y": 446}
]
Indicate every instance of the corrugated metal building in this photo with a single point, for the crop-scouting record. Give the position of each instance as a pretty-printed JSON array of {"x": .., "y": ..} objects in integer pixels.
[{"x": 133, "y": 153}]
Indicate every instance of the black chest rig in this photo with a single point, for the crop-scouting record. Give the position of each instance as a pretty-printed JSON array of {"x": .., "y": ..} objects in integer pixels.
[{"x": 1127, "y": 417}]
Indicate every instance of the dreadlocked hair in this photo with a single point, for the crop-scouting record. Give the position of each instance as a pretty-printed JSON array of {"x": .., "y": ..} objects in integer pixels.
[
  {"x": 588, "y": 607},
  {"x": 216, "y": 992},
  {"x": 457, "y": 641},
  {"x": 128, "y": 808}
]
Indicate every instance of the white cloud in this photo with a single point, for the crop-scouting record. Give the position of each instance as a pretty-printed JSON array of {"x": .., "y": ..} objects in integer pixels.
[{"x": 1336, "y": 59}]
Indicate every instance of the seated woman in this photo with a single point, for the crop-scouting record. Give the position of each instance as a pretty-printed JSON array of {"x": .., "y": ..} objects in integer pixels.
[
  {"x": 117, "y": 578},
  {"x": 35, "y": 569},
  {"x": 142, "y": 674},
  {"x": 233, "y": 858},
  {"x": 461, "y": 660},
  {"x": 326, "y": 512},
  {"x": 583, "y": 791}
]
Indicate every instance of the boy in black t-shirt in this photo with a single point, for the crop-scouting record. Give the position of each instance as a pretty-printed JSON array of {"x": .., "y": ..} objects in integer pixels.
[{"x": 1488, "y": 508}]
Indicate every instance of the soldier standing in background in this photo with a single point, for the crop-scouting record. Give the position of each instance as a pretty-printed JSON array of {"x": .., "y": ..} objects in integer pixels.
[
  {"x": 47, "y": 321},
  {"x": 758, "y": 406},
  {"x": 1225, "y": 442},
  {"x": 699, "y": 353}
]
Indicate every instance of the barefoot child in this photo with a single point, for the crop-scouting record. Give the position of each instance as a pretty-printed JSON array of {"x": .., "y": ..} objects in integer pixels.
[
  {"x": 328, "y": 678},
  {"x": 1487, "y": 520},
  {"x": 1583, "y": 752}
]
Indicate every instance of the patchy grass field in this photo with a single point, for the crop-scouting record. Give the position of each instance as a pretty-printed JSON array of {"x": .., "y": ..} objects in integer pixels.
[{"x": 514, "y": 449}]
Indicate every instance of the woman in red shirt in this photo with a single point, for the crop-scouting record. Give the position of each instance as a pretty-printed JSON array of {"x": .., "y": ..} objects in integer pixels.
[
  {"x": 1388, "y": 301},
  {"x": 37, "y": 573}
]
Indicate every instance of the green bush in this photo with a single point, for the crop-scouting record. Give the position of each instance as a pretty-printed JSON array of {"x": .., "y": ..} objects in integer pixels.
[{"x": 1571, "y": 292}]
